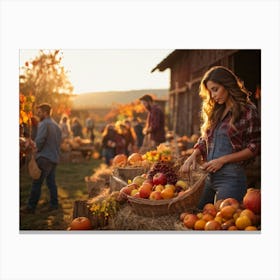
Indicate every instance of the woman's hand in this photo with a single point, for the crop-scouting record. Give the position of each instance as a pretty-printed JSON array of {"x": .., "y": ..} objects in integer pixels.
[
  {"x": 213, "y": 165},
  {"x": 190, "y": 162}
]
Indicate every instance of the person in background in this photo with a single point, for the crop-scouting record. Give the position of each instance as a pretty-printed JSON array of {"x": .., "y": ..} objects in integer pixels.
[
  {"x": 130, "y": 137},
  {"x": 64, "y": 126},
  {"x": 230, "y": 136},
  {"x": 138, "y": 129},
  {"x": 113, "y": 143},
  {"x": 47, "y": 151},
  {"x": 155, "y": 124},
  {"x": 90, "y": 129},
  {"x": 77, "y": 128}
]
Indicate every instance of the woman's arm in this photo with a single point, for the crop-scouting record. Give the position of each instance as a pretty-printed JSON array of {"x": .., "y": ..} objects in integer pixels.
[{"x": 216, "y": 164}]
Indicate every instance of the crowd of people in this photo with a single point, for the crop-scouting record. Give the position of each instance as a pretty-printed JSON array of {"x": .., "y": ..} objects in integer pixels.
[
  {"x": 131, "y": 135},
  {"x": 121, "y": 138},
  {"x": 74, "y": 128}
]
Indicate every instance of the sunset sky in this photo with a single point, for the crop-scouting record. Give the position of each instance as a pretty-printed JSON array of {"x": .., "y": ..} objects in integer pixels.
[{"x": 110, "y": 70}]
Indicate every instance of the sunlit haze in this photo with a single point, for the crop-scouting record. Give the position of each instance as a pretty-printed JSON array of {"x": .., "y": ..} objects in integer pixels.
[{"x": 111, "y": 70}]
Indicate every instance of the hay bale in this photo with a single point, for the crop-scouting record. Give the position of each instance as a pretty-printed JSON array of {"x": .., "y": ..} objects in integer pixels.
[
  {"x": 126, "y": 219},
  {"x": 95, "y": 185}
]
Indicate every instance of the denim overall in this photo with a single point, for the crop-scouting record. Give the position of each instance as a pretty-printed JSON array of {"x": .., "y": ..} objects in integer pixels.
[{"x": 230, "y": 180}]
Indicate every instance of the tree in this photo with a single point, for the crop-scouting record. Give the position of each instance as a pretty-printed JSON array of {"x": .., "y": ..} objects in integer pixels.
[
  {"x": 123, "y": 111},
  {"x": 46, "y": 79}
]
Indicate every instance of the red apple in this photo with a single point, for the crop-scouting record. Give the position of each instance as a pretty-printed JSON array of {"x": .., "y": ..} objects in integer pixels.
[
  {"x": 155, "y": 195},
  {"x": 252, "y": 200},
  {"x": 229, "y": 202},
  {"x": 210, "y": 209},
  {"x": 159, "y": 179},
  {"x": 189, "y": 220},
  {"x": 137, "y": 195},
  {"x": 145, "y": 190},
  {"x": 150, "y": 181}
]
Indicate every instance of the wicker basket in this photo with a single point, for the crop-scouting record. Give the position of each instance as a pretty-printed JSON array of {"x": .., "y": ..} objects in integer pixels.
[
  {"x": 116, "y": 183},
  {"x": 128, "y": 173},
  {"x": 185, "y": 202}
]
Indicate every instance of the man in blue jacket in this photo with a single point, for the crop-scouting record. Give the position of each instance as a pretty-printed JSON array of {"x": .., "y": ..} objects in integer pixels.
[{"x": 47, "y": 148}]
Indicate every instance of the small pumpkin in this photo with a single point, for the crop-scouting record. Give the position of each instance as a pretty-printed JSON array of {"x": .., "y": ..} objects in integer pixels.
[{"x": 81, "y": 223}]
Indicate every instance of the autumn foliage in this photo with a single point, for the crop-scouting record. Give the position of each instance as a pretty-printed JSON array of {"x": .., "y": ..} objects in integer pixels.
[{"x": 46, "y": 79}]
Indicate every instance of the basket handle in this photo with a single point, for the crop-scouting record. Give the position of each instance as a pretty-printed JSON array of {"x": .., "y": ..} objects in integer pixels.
[{"x": 191, "y": 190}]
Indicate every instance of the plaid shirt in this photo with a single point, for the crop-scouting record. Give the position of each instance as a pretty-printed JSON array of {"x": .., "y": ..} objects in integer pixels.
[
  {"x": 155, "y": 122},
  {"x": 246, "y": 135}
]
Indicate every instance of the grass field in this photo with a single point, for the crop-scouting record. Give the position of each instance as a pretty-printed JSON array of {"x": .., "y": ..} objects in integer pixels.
[{"x": 71, "y": 187}]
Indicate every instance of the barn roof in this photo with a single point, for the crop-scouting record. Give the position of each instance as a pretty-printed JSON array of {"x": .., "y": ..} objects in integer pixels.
[{"x": 168, "y": 61}]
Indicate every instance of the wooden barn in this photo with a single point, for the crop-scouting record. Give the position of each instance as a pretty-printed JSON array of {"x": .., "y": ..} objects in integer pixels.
[
  {"x": 187, "y": 68},
  {"x": 186, "y": 71}
]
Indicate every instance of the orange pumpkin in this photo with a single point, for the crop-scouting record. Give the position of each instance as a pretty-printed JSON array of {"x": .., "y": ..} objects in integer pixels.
[
  {"x": 135, "y": 159},
  {"x": 119, "y": 160},
  {"x": 81, "y": 223}
]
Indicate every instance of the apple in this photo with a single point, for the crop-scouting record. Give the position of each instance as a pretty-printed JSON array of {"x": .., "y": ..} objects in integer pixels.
[
  {"x": 170, "y": 186},
  {"x": 210, "y": 209},
  {"x": 145, "y": 190},
  {"x": 189, "y": 220},
  {"x": 155, "y": 195},
  {"x": 251, "y": 215},
  {"x": 138, "y": 180},
  {"x": 228, "y": 211},
  {"x": 137, "y": 195},
  {"x": 133, "y": 192},
  {"x": 212, "y": 225},
  {"x": 242, "y": 222},
  {"x": 200, "y": 224},
  {"x": 159, "y": 179},
  {"x": 229, "y": 201},
  {"x": 207, "y": 217},
  {"x": 127, "y": 189},
  {"x": 150, "y": 181},
  {"x": 182, "y": 184},
  {"x": 167, "y": 193},
  {"x": 159, "y": 188},
  {"x": 252, "y": 200},
  {"x": 182, "y": 216}
]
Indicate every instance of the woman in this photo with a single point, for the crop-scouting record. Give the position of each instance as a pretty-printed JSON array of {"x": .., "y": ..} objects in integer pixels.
[
  {"x": 64, "y": 126},
  {"x": 230, "y": 135},
  {"x": 112, "y": 143}
]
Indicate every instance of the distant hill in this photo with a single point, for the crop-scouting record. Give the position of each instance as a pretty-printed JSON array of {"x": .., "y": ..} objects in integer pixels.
[{"x": 108, "y": 98}]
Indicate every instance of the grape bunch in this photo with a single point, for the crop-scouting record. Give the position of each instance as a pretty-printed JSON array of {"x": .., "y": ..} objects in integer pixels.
[{"x": 167, "y": 169}]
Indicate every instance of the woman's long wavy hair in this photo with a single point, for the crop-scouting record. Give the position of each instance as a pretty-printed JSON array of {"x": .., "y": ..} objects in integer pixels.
[{"x": 211, "y": 111}]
